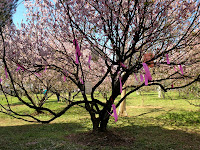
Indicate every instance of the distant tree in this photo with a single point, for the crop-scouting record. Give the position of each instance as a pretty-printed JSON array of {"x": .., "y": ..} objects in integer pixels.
[
  {"x": 63, "y": 35},
  {"x": 7, "y": 9}
]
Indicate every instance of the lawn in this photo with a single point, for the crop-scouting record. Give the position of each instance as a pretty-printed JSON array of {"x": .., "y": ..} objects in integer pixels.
[{"x": 152, "y": 123}]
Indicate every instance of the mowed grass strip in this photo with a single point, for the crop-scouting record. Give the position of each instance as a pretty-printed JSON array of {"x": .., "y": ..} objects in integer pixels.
[{"x": 152, "y": 122}]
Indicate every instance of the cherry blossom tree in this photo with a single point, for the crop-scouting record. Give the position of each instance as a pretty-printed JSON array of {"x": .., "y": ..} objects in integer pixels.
[{"x": 102, "y": 42}]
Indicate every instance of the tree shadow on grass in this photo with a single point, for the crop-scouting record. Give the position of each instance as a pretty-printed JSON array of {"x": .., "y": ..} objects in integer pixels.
[
  {"x": 139, "y": 138},
  {"x": 38, "y": 136},
  {"x": 158, "y": 138},
  {"x": 76, "y": 136}
]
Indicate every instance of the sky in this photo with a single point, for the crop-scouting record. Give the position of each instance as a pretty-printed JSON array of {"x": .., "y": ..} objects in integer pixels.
[{"x": 19, "y": 14}]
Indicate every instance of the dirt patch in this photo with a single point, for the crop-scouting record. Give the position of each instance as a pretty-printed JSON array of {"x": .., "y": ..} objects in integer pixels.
[{"x": 101, "y": 139}]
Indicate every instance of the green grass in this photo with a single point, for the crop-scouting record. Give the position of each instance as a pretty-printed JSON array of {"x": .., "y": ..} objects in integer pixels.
[
  {"x": 182, "y": 118},
  {"x": 154, "y": 123}
]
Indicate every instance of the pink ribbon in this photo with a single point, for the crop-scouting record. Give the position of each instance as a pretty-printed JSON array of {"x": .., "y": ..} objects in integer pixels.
[
  {"x": 38, "y": 74},
  {"x": 115, "y": 112},
  {"x": 122, "y": 65},
  {"x": 81, "y": 81},
  {"x": 172, "y": 85},
  {"x": 141, "y": 77},
  {"x": 75, "y": 42},
  {"x": 64, "y": 78},
  {"x": 175, "y": 68},
  {"x": 19, "y": 67},
  {"x": 120, "y": 84},
  {"x": 146, "y": 79},
  {"x": 167, "y": 57},
  {"x": 148, "y": 74},
  {"x": 181, "y": 69},
  {"x": 6, "y": 72},
  {"x": 45, "y": 69},
  {"x": 77, "y": 62},
  {"x": 90, "y": 57},
  {"x": 78, "y": 53},
  {"x": 136, "y": 77}
]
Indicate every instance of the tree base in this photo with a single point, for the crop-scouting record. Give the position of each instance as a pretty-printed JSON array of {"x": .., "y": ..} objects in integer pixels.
[
  {"x": 123, "y": 114},
  {"x": 36, "y": 113},
  {"x": 100, "y": 139}
]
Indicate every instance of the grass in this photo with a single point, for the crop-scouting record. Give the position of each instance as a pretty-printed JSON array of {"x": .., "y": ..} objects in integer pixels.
[
  {"x": 182, "y": 118},
  {"x": 153, "y": 123}
]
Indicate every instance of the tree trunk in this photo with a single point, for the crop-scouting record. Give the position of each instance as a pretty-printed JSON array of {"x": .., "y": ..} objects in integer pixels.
[
  {"x": 39, "y": 111},
  {"x": 95, "y": 123},
  {"x": 122, "y": 107},
  {"x": 161, "y": 93},
  {"x": 58, "y": 96},
  {"x": 103, "y": 125},
  {"x": 69, "y": 97},
  {"x": 100, "y": 126},
  {"x": 100, "y": 123}
]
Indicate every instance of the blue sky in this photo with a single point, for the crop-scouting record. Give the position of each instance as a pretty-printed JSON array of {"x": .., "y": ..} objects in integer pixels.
[{"x": 19, "y": 14}]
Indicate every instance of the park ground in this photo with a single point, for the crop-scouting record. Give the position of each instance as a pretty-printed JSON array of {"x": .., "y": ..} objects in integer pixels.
[{"x": 152, "y": 124}]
